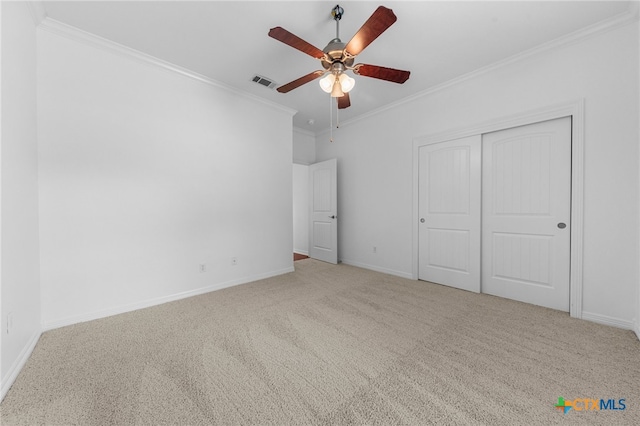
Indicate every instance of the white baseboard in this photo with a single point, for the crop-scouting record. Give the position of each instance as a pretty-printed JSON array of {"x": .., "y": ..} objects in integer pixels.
[
  {"x": 377, "y": 268},
  {"x": 607, "y": 320},
  {"x": 636, "y": 328},
  {"x": 50, "y": 325},
  {"x": 18, "y": 364}
]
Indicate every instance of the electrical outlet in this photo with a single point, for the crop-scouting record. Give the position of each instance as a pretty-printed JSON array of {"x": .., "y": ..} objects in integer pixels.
[
  {"x": 203, "y": 267},
  {"x": 9, "y": 322},
  {"x": 234, "y": 261}
]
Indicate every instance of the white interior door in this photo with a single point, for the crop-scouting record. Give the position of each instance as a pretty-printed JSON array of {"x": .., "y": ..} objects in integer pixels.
[
  {"x": 449, "y": 206},
  {"x": 323, "y": 208},
  {"x": 526, "y": 211}
]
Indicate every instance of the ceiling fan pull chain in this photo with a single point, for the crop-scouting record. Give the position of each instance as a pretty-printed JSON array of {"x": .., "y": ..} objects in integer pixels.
[
  {"x": 337, "y": 115},
  {"x": 330, "y": 120}
]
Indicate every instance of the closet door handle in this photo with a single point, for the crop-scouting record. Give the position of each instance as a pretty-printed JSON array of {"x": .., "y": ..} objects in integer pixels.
[{"x": 562, "y": 225}]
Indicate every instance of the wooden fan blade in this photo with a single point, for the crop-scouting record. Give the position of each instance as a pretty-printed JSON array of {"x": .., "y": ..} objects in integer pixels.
[
  {"x": 299, "y": 82},
  {"x": 296, "y": 42},
  {"x": 383, "y": 73},
  {"x": 377, "y": 23},
  {"x": 344, "y": 101}
]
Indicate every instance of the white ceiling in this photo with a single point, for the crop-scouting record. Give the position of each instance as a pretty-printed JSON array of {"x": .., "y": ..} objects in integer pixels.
[{"x": 227, "y": 40}]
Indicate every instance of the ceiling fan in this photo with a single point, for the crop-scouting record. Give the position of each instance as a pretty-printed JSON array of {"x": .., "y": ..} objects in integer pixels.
[{"x": 338, "y": 57}]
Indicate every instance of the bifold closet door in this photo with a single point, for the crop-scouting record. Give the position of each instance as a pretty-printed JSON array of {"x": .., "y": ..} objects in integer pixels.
[
  {"x": 449, "y": 207},
  {"x": 526, "y": 209}
]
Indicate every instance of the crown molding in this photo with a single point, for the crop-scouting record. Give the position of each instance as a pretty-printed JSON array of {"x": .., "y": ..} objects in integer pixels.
[
  {"x": 61, "y": 29},
  {"x": 606, "y": 25},
  {"x": 37, "y": 11}
]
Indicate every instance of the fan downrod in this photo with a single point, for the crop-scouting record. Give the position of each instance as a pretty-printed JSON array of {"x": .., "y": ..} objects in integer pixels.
[{"x": 334, "y": 51}]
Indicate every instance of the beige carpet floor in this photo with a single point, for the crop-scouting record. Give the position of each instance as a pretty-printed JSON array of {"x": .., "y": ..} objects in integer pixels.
[{"x": 329, "y": 345}]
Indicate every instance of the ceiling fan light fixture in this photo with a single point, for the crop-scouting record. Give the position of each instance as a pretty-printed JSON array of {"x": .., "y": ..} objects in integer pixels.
[
  {"x": 337, "y": 92},
  {"x": 326, "y": 83},
  {"x": 337, "y": 86},
  {"x": 346, "y": 83}
]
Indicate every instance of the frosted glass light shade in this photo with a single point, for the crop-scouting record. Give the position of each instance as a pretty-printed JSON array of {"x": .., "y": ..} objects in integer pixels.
[
  {"x": 337, "y": 92},
  {"x": 326, "y": 83},
  {"x": 346, "y": 83}
]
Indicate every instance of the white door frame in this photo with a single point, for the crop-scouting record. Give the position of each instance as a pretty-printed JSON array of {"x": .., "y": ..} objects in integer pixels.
[{"x": 574, "y": 110}]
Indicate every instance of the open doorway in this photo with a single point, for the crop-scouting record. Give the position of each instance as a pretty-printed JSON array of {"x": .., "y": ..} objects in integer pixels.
[
  {"x": 315, "y": 211},
  {"x": 300, "y": 211}
]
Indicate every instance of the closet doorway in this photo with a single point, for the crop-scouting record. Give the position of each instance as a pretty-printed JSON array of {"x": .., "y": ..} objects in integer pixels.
[{"x": 495, "y": 213}]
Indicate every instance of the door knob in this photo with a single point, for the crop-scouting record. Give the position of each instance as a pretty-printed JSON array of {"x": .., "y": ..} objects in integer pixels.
[
  {"x": 422, "y": 220},
  {"x": 562, "y": 225},
  {"x": 332, "y": 217}
]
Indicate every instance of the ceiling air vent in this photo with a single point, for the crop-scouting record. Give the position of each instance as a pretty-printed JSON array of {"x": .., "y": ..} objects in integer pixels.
[{"x": 264, "y": 81}]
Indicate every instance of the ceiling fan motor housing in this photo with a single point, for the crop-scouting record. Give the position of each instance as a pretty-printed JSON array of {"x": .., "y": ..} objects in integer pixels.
[{"x": 334, "y": 53}]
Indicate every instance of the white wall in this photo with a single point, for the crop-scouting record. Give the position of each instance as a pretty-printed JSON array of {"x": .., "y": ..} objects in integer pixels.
[
  {"x": 144, "y": 175},
  {"x": 20, "y": 282},
  {"x": 301, "y": 208},
  {"x": 375, "y": 160},
  {"x": 304, "y": 147}
]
